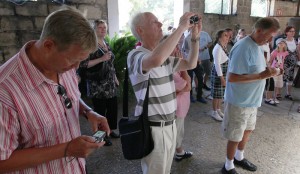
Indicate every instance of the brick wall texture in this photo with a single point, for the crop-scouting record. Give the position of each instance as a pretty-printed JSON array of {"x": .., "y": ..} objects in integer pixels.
[
  {"x": 21, "y": 23},
  {"x": 213, "y": 22}
]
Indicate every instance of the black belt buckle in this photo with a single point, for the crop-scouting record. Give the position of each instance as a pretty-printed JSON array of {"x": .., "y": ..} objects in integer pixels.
[{"x": 161, "y": 124}]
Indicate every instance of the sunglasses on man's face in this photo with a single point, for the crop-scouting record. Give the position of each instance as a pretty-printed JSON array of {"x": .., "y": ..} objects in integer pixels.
[{"x": 63, "y": 93}]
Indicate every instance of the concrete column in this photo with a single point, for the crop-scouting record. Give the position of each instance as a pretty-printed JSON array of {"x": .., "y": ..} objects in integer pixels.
[
  {"x": 186, "y": 6},
  {"x": 113, "y": 17},
  {"x": 178, "y": 11}
]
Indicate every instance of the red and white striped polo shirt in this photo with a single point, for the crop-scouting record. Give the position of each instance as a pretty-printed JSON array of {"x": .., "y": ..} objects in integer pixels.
[{"x": 33, "y": 115}]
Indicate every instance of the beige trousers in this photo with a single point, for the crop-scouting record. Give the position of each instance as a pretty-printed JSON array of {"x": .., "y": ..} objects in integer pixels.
[{"x": 159, "y": 161}]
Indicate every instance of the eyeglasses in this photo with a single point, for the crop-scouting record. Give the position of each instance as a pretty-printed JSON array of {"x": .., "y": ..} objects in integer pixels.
[
  {"x": 63, "y": 93},
  {"x": 292, "y": 31}
]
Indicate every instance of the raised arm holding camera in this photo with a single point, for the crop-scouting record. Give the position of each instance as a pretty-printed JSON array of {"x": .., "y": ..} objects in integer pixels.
[
  {"x": 151, "y": 63},
  {"x": 40, "y": 101}
]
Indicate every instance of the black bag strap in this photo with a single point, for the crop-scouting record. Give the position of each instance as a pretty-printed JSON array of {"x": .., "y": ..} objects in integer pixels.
[{"x": 125, "y": 93}]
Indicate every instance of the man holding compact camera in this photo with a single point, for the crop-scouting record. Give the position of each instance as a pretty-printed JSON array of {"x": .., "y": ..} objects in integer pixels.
[
  {"x": 40, "y": 102},
  {"x": 245, "y": 83},
  {"x": 152, "y": 63}
]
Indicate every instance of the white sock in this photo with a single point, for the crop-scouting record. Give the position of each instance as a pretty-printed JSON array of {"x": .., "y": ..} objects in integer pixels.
[
  {"x": 229, "y": 164},
  {"x": 239, "y": 155}
]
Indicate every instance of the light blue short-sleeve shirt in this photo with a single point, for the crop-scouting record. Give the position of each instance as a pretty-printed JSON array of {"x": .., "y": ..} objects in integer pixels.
[
  {"x": 246, "y": 57},
  {"x": 205, "y": 39}
]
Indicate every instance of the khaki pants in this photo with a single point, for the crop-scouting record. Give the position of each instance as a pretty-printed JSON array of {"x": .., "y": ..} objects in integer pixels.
[
  {"x": 159, "y": 161},
  {"x": 180, "y": 131}
]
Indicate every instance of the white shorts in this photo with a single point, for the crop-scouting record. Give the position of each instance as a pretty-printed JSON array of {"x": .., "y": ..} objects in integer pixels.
[{"x": 278, "y": 81}]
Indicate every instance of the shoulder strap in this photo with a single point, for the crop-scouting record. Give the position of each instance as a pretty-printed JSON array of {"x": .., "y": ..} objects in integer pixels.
[{"x": 125, "y": 92}]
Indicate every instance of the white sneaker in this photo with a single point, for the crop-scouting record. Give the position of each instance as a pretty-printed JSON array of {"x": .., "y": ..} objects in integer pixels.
[
  {"x": 220, "y": 113},
  {"x": 270, "y": 102},
  {"x": 216, "y": 116},
  {"x": 209, "y": 97}
]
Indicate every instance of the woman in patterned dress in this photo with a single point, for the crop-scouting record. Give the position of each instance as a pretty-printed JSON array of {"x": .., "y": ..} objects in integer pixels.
[
  {"x": 218, "y": 74},
  {"x": 290, "y": 61},
  {"x": 102, "y": 81}
]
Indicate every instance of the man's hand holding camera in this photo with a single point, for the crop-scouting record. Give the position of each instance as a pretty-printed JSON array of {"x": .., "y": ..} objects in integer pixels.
[
  {"x": 83, "y": 146},
  {"x": 98, "y": 122},
  {"x": 270, "y": 72},
  {"x": 191, "y": 20},
  {"x": 196, "y": 22}
]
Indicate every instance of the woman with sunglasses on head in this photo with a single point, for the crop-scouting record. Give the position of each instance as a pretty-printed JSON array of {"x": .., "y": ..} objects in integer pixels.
[
  {"x": 102, "y": 81},
  {"x": 290, "y": 61}
]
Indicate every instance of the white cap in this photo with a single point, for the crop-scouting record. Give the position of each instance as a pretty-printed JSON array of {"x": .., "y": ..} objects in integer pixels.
[{"x": 280, "y": 40}]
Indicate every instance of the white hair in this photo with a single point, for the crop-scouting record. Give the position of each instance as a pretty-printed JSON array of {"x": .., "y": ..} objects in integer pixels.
[{"x": 135, "y": 21}]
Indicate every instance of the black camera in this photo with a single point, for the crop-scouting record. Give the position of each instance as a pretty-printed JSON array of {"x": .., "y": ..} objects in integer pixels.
[{"x": 194, "y": 19}]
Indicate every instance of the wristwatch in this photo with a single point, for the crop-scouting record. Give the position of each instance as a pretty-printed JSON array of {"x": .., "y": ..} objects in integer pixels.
[{"x": 86, "y": 111}]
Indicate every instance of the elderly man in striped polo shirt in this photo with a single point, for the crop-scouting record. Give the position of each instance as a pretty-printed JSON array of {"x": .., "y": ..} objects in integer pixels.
[{"x": 151, "y": 63}]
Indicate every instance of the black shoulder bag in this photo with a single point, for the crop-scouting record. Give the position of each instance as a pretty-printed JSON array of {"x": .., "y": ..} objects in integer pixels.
[{"x": 136, "y": 137}]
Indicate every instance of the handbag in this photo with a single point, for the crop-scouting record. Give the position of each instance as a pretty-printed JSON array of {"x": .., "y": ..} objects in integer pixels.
[
  {"x": 135, "y": 135},
  {"x": 296, "y": 81}
]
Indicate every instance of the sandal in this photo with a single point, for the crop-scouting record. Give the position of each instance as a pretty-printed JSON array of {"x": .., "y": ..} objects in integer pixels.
[
  {"x": 278, "y": 97},
  {"x": 289, "y": 97}
]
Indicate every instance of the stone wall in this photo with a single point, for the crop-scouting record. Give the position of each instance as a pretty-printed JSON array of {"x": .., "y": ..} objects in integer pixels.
[
  {"x": 286, "y": 9},
  {"x": 21, "y": 23},
  {"x": 214, "y": 22}
]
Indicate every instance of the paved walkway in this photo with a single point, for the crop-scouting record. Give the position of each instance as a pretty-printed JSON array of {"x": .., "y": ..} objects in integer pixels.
[{"x": 274, "y": 146}]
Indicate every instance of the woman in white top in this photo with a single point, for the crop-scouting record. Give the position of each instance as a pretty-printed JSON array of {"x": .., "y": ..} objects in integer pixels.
[
  {"x": 290, "y": 61},
  {"x": 218, "y": 73},
  {"x": 240, "y": 35}
]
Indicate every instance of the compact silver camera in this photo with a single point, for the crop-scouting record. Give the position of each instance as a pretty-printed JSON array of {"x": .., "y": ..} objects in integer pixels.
[{"x": 99, "y": 136}]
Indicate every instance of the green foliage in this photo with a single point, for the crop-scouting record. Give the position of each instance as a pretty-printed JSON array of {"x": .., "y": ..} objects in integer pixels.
[{"x": 121, "y": 45}]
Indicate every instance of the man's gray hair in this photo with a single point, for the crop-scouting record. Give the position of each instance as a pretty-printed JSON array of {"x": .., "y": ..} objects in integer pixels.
[
  {"x": 135, "y": 22},
  {"x": 68, "y": 26},
  {"x": 267, "y": 23}
]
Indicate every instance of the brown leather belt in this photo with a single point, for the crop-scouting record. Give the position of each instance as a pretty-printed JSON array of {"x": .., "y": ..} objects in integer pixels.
[{"x": 161, "y": 124}]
